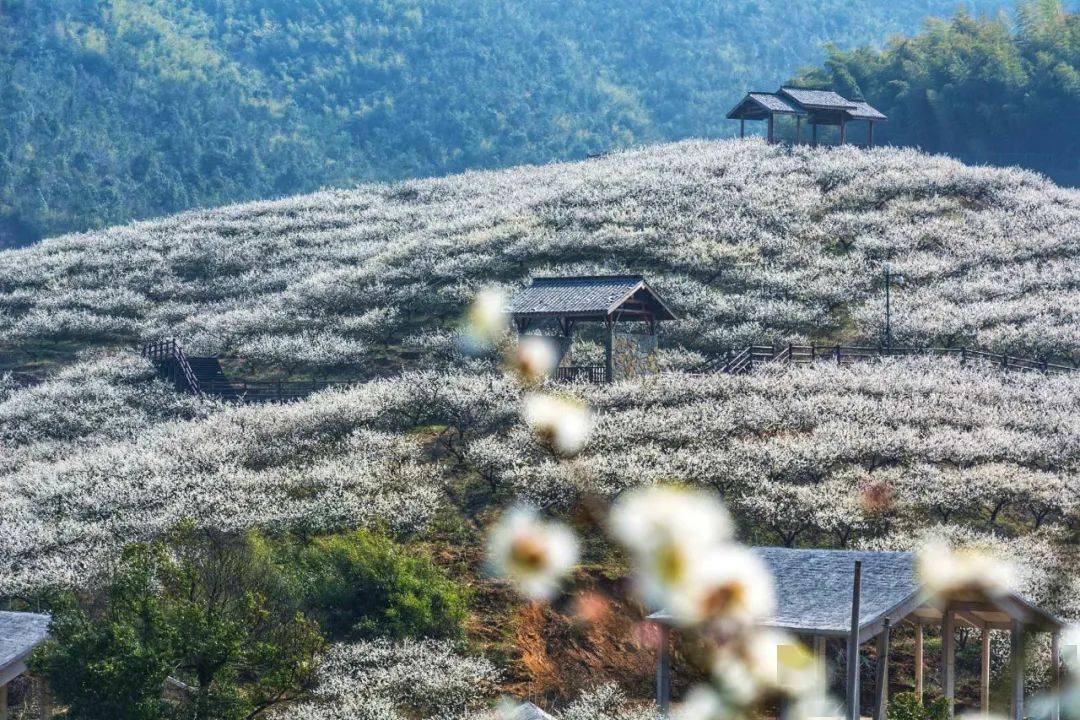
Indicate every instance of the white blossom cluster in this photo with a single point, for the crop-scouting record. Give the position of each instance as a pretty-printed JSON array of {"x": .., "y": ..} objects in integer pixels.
[
  {"x": 749, "y": 242},
  {"x": 386, "y": 680},
  {"x": 102, "y": 398},
  {"x": 319, "y": 465},
  {"x": 796, "y": 452}
]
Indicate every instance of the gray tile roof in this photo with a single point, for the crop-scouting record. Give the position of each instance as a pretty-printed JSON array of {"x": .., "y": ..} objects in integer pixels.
[
  {"x": 775, "y": 103},
  {"x": 19, "y": 634},
  {"x": 864, "y": 111},
  {"x": 813, "y": 587},
  {"x": 818, "y": 98},
  {"x": 585, "y": 295}
]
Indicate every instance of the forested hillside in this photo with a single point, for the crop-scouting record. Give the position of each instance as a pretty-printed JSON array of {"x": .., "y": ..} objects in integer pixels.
[
  {"x": 135, "y": 108},
  {"x": 1001, "y": 90}
]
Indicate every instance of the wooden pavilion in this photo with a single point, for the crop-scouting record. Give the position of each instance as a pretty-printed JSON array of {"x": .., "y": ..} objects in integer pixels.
[
  {"x": 20, "y": 633},
  {"x": 859, "y": 597},
  {"x": 563, "y": 303},
  {"x": 815, "y": 107}
]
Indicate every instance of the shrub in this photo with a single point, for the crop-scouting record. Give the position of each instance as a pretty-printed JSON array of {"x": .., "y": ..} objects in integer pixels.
[
  {"x": 362, "y": 585},
  {"x": 908, "y": 706}
]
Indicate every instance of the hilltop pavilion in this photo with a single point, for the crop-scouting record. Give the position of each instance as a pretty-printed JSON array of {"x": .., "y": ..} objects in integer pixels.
[
  {"x": 857, "y": 596},
  {"x": 815, "y": 107}
]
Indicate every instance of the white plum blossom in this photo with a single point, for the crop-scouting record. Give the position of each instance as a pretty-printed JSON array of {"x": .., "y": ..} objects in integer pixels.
[
  {"x": 534, "y": 554},
  {"x": 564, "y": 423},
  {"x": 946, "y": 571}
]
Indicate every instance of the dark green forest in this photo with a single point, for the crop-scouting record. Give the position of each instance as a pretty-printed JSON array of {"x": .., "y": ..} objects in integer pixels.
[
  {"x": 1002, "y": 90},
  {"x": 122, "y": 109}
]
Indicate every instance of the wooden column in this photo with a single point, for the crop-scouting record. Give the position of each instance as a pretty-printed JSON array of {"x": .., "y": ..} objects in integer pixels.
[
  {"x": 608, "y": 360},
  {"x": 663, "y": 668},
  {"x": 742, "y": 127},
  {"x": 882, "y": 676},
  {"x": 843, "y": 131},
  {"x": 1055, "y": 673},
  {"x": 1017, "y": 661},
  {"x": 820, "y": 661},
  {"x": 853, "y": 646},
  {"x": 870, "y": 135},
  {"x": 770, "y": 137},
  {"x": 798, "y": 129},
  {"x": 984, "y": 672},
  {"x": 948, "y": 658},
  {"x": 813, "y": 134},
  {"x": 919, "y": 658},
  {"x": 4, "y": 702}
]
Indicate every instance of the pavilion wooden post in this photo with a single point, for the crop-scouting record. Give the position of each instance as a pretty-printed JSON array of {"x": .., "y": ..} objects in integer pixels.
[
  {"x": 798, "y": 129},
  {"x": 948, "y": 658},
  {"x": 609, "y": 365},
  {"x": 770, "y": 128},
  {"x": 4, "y": 702},
  {"x": 820, "y": 648},
  {"x": 813, "y": 134},
  {"x": 853, "y": 646},
  {"x": 843, "y": 131},
  {"x": 984, "y": 672},
  {"x": 663, "y": 668},
  {"x": 1017, "y": 661},
  {"x": 919, "y": 658},
  {"x": 870, "y": 135},
  {"x": 742, "y": 127},
  {"x": 1055, "y": 673},
  {"x": 882, "y": 676}
]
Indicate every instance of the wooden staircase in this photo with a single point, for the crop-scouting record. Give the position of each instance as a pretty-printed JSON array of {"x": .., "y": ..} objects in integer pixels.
[{"x": 204, "y": 376}]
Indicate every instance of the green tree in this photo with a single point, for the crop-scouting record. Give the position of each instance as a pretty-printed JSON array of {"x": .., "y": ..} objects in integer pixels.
[
  {"x": 200, "y": 624},
  {"x": 363, "y": 585},
  {"x": 975, "y": 88}
]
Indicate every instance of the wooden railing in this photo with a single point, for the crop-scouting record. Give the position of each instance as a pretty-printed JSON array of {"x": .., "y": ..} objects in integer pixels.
[
  {"x": 173, "y": 363},
  {"x": 744, "y": 361},
  {"x": 581, "y": 373}
]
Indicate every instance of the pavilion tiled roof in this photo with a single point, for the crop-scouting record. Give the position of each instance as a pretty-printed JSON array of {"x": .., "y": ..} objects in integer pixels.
[
  {"x": 826, "y": 99},
  {"x": 20, "y": 633},
  {"x": 775, "y": 103},
  {"x": 864, "y": 111},
  {"x": 814, "y": 590},
  {"x": 581, "y": 295}
]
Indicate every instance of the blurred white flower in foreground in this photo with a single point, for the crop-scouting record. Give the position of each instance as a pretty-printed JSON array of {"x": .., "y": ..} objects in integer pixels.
[
  {"x": 766, "y": 662},
  {"x": 701, "y": 703},
  {"x": 486, "y": 320},
  {"x": 946, "y": 571},
  {"x": 535, "y": 358},
  {"x": 669, "y": 531},
  {"x": 565, "y": 424},
  {"x": 729, "y": 586},
  {"x": 533, "y": 554}
]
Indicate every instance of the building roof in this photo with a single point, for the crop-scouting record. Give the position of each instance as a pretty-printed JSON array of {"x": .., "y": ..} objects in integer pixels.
[
  {"x": 824, "y": 107},
  {"x": 818, "y": 99},
  {"x": 864, "y": 111},
  {"x": 758, "y": 104},
  {"x": 588, "y": 297},
  {"x": 20, "y": 633},
  {"x": 814, "y": 592}
]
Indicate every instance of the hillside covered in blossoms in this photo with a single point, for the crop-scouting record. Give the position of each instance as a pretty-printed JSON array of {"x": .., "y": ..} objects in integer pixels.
[{"x": 749, "y": 243}]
